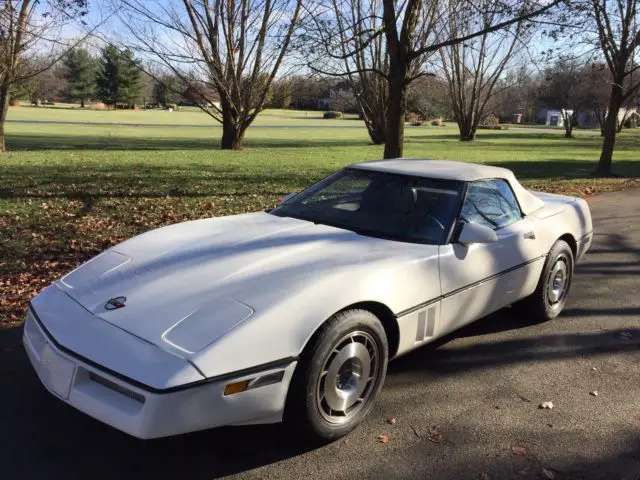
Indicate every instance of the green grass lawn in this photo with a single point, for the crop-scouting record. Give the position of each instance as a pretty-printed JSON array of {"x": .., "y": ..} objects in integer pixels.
[
  {"x": 185, "y": 116},
  {"x": 69, "y": 191}
]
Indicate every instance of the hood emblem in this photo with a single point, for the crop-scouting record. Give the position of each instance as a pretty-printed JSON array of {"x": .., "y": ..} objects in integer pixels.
[{"x": 115, "y": 303}]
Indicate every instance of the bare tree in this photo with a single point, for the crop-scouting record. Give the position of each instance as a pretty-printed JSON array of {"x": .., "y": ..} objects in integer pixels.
[
  {"x": 413, "y": 30},
  {"x": 306, "y": 91},
  {"x": 474, "y": 67},
  {"x": 629, "y": 105},
  {"x": 561, "y": 90},
  {"x": 616, "y": 32},
  {"x": 594, "y": 87},
  {"x": 351, "y": 49},
  {"x": 429, "y": 97},
  {"x": 518, "y": 92},
  {"x": 29, "y": 27},
  {"x": 233, "y": 47}
]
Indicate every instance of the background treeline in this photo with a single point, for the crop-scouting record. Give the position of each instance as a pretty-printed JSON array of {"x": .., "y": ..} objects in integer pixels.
[{"x": 114, "y": 78}]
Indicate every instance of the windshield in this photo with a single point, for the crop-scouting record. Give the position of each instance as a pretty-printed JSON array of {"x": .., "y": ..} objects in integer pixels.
[{"x": 402, "y": 207}]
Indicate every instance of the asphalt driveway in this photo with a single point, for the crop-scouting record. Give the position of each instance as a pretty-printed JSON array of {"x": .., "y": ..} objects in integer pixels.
[{"x": 466, "y": 409}]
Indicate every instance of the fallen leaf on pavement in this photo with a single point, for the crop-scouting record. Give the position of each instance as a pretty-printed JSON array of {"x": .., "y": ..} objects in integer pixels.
[
  {"x": 435, "y": 436},
  {"x": 384, "y": 438},
  {"x": 547, "y": 474},
  {"x": 391, "y": 421},
  {"x": 520, "y": 451},
  {"x": 594, "y": 393},
  {"x": 546, "y": 405}
]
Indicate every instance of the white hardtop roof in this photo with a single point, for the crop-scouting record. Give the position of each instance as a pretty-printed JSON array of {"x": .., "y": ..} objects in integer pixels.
[
  {"x": 449, "y": 170},
  {"x": 443, "y": 169}
]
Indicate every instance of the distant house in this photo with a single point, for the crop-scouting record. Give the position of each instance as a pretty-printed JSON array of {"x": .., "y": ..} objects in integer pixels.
[
  {"x": 552, "y": 116},
  {"x": 586, "y": 118},
  {"x": 630, "y": 117}
]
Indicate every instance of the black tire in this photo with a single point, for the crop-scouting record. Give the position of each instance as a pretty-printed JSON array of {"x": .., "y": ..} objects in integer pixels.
[
  {"x": 308, "y": 408},
  {"x": 543, "y": 304}
]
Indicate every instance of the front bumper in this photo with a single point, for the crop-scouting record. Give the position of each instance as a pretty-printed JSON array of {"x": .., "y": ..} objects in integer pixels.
[{"x": 144, "y": 413}]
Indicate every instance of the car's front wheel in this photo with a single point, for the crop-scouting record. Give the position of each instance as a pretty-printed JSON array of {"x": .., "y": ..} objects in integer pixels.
[{"x": 339, "y": 376}]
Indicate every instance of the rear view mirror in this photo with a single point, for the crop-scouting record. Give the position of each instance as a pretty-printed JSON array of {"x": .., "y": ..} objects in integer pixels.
[{"x": 476, "y": 233}]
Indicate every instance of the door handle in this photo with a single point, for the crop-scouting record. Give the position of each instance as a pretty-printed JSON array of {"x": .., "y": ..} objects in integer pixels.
[{"x": 530, "y": 235}]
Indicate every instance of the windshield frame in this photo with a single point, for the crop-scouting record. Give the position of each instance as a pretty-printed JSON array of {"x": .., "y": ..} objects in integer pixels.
[{"x": 458, "y": 185}]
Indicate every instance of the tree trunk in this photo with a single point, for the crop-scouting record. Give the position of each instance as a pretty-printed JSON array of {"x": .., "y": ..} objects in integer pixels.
[
  {"x": 567, "y": 123},
  {"x": 376, "y": 133},
  {"x": 568, "y": 130},
  {"x": 82, "y": 103},
  {"x": 4, "y": 107},
  {"x": 232, "y": 130},
  {"x": 467, "y": 130},
  {"x": 232, "y": 137},
  {"x": 606, "y": 156},
  {"x": 396, "y": 108},
  {"x": 375, "y": 122}
]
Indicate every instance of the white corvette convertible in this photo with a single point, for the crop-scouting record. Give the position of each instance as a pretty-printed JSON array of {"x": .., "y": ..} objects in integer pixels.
[{"x": 293, "y": 314}]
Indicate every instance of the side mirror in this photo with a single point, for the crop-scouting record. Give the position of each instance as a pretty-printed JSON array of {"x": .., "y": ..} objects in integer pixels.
[
  {"x": 476, "y": 233},
  {"x": 287, "y": 197}
]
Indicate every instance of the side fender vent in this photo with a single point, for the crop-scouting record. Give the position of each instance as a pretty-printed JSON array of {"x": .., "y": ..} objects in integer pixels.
[{"x": 426, "y": 324}]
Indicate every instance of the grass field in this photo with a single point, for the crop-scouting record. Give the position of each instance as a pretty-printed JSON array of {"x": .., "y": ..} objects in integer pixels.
[
  {"x": 69, "y": 191},
  {"x": 186, "y": 116}
]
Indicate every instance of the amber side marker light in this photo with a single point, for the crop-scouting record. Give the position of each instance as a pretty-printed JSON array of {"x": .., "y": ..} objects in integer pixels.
[{"x": 236, "y": 387}]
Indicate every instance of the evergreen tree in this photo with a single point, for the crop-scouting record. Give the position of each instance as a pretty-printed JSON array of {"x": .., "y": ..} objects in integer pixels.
[
  {"x": 118, "y": 80},
  {"x": 130, "y": 78},
  {"x": 81, "y": 74}
]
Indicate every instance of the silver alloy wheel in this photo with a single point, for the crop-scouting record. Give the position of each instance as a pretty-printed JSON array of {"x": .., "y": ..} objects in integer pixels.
[
  {"x": 558, "y": 280},
  {"x": 348, "y": 377}
]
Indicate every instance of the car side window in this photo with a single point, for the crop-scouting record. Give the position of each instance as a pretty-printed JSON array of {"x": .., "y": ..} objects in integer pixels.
[{"x": 490, "y": 203}]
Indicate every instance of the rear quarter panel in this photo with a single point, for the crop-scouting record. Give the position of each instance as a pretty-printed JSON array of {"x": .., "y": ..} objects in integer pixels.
[{"x": 563, "y": 215}]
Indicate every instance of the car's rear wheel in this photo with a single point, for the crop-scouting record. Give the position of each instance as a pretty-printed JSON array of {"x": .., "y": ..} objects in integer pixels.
[
  {"x": 339, "y": 376},
  {"x": 550, "y": 296}
]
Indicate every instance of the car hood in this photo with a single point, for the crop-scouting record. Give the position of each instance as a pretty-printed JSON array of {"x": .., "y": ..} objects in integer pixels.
[{"x": 186, "y": 285}]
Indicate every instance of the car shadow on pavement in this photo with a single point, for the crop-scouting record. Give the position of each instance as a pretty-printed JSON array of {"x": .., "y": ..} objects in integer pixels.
[
  {"x": 521, "y": 349},
  {"x": 42, "y": 437}
]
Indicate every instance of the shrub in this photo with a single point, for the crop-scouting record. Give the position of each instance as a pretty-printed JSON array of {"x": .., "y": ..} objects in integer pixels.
[
  {"x": 14, "y": 102},
  {"x": 493, "y": 127},
  {"x": 436, "y": 122},
  {"x": 491, "y": 119},
  {"x": 171, "y": 106},
  {"x": 332, "y": 115},
  {"x": 417, "y": 123}
]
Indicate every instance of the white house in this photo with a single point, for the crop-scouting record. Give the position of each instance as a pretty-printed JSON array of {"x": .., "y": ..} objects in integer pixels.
[
  {"x": 586, "y": 118},
  {"x": 555, "y": 117}
]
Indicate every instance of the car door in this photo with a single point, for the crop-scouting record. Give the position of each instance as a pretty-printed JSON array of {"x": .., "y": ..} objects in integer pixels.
[{"x": 478, "y": 279}]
